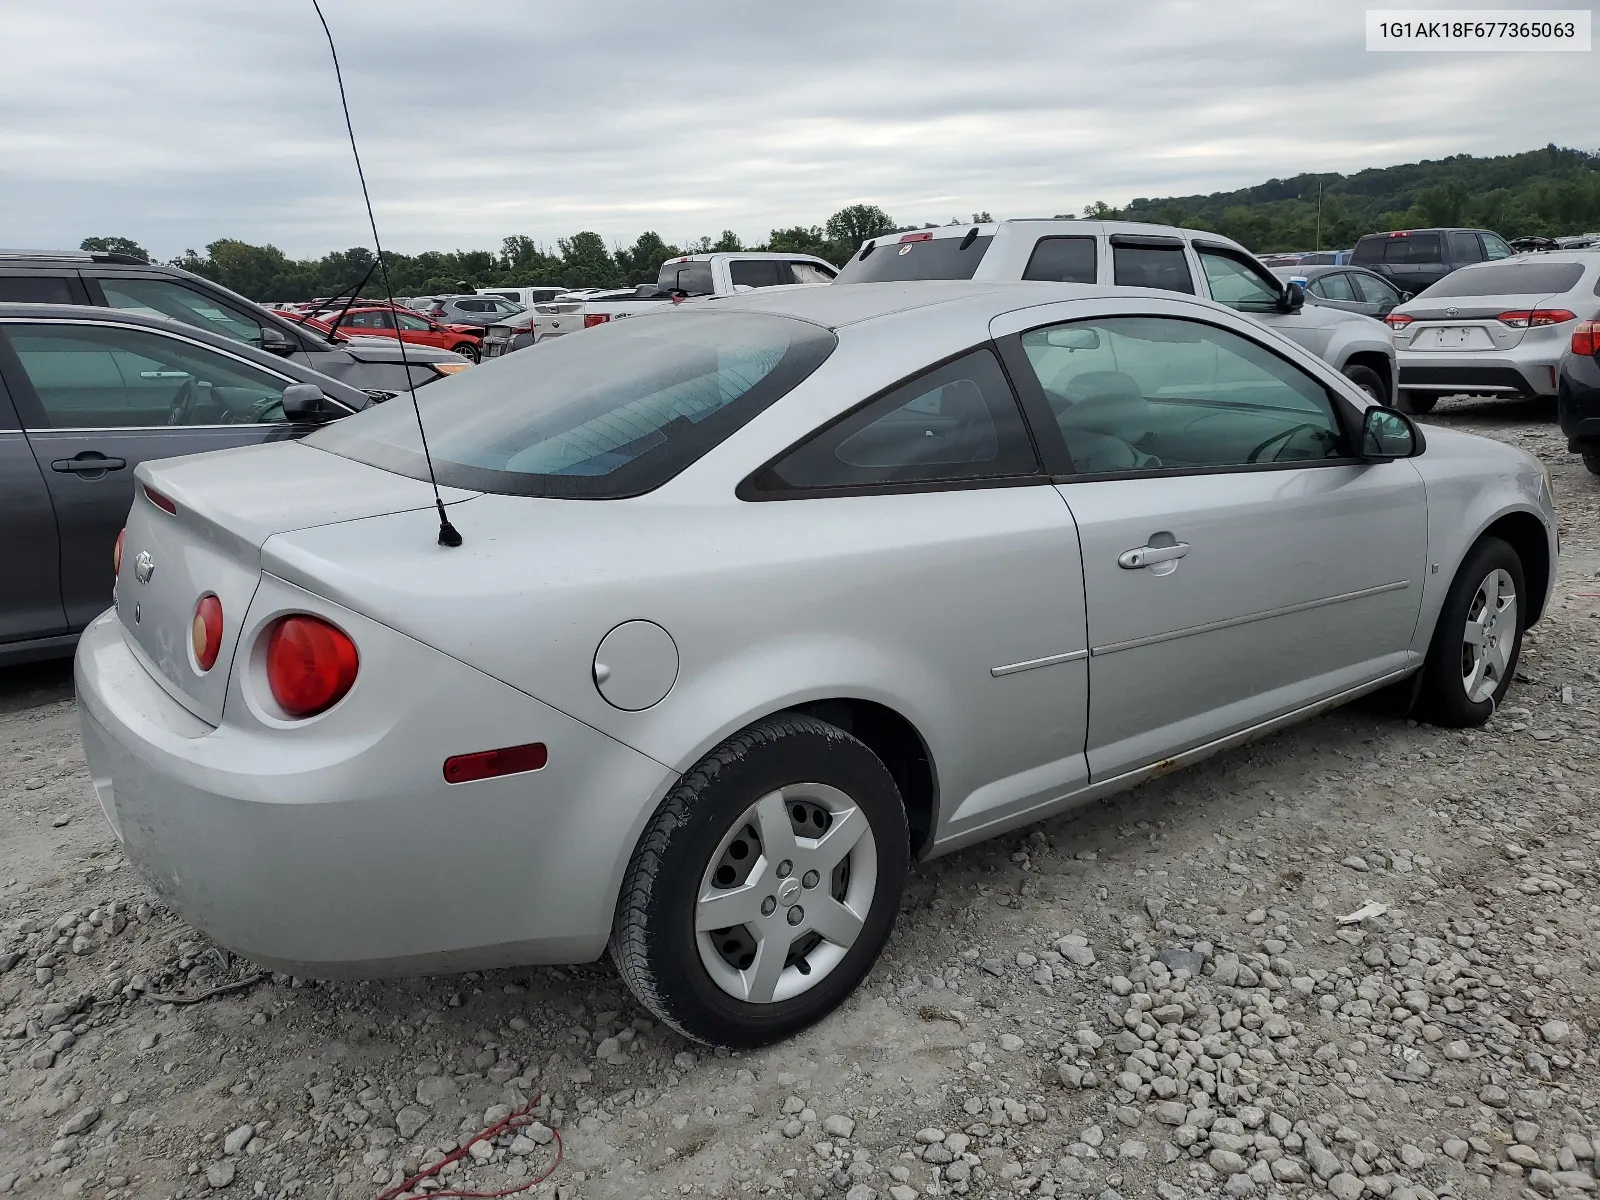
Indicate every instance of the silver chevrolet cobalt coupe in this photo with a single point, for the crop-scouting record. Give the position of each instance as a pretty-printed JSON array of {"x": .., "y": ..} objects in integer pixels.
[{"x": 759, "y": 600}]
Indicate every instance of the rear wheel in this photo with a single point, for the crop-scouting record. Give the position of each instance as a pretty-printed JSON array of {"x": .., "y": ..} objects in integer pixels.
[
  {"x": 1473, "y": 655},
  {"x": 765, "y": 887},
  {"x": 1417, "y": 403},
  {"x": 1369, "y": 381},
  {"x": 466, "y": 350},
  {"x": 1591, "y": 459}
]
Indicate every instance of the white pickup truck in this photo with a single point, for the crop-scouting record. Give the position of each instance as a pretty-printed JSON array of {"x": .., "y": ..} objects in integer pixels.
[
  {"x": 689, "y": 277},
  {"x": 1141, "y": 255}
]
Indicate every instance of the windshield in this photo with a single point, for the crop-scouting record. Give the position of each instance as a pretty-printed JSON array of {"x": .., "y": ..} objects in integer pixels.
[
  {"x": 1509, "y": 279},
  {"x": 935, "y": 258},
  {"x": 616, "y": 412}
]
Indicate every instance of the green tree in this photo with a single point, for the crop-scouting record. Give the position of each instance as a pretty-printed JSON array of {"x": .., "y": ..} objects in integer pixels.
[
  {"x": 641, "y": 262},
  {"x": 115, "y": 245},
  {"x": 1101, "y": 211},
  {"x": 802, "y": 239},
  {"x": 585, "y": 262},
  {"x": 855, "y": 224},
  {"x": 728, "y": 243}
]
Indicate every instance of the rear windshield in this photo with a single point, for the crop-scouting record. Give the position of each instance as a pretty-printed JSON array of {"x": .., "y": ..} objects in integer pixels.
[
  {"x": 1387, "y": 248},
  {"x": 1509, "y": 279},
  {"x": 936, "y": 258},
  {"x": 614, "y": 411},
  {"x": 691, "y": 277}
]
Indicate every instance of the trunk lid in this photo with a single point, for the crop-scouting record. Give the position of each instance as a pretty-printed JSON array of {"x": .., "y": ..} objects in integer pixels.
[
  {"x": 1453, "y": 324},
  {"x": 226, "y": 505}
]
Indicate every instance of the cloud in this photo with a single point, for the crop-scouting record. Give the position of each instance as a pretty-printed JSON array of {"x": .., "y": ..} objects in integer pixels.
[{"x": 179, "y": 121}]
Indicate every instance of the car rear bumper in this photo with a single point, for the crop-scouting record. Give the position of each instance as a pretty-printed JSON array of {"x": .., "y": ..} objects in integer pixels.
[
  {"x": 1528, "y": 369},
  {"x": 1579, "y": 405},
  {"x": 349, "y": 856}
]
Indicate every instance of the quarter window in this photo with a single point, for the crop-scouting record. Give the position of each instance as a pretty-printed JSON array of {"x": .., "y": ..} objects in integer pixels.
[
  {"x": 1134, "y": 394},
  {"x": 36, "y": 289},
  {"x": 98, "y": 377},
  {"x": 957, "y": 422},
  {"x": 1062, "y": 260},
  {"x": 1238, "y": 284},
  {"x": 1163, "y": 267},
  {"x": 162, "y": 298}
]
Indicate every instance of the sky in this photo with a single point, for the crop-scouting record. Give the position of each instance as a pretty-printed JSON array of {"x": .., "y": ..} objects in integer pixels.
[{"x": 177, "y": 122}]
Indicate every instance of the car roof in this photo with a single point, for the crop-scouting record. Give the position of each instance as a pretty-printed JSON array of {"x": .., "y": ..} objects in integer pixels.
[{"x": 1087, "y": 228}]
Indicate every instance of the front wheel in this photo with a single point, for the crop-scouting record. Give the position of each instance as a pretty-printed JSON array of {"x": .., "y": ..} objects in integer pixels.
[
  {"x": 1417, "y": 403},
  {"x": 765, "y": 886},
  {"x": 1369, "y": 381},
  {"x": 1473, "y": 655},
  {"x": 468, "y": 351}
]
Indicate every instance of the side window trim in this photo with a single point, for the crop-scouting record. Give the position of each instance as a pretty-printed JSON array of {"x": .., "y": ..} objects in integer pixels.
[
  {"x": 749, "y": 488},
  {"x": 1031, "y": 392},
  {"x": 31, "y": 411}
]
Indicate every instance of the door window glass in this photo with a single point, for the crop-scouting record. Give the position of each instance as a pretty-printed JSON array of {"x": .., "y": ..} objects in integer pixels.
[
  {"x": 1062, "y": 260},
  {"x": 163, "y": 298},
  {"x": 409, "y": 322},
  {"x": 755, "y": 273},
  {"x": 1163, "y": 267},
  {"x": 1154, "y": 393},
  {"x": 100, "y": 377},
  {"x": 1375, "y": 291},
  {"x": 365, "y": 320},
  {"x": 1238, "y": 284},
  {"x": 957, "y": 422},
  {"x": 1464, "y": 247},
  {"x": 1408, "y": 249},
  {"x": 35, "y": 289},
  {"x": 1334, "y": 286},
  {"x": 1494, "y": 246},
  {"x": 805, "y": 272}
]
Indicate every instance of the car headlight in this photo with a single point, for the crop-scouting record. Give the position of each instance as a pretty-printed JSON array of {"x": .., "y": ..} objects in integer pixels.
[{"x": 450, "y": 368}]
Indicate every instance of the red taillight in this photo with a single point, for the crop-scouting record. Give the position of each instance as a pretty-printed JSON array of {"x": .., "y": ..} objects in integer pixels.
[
  {"x": 924, "y": 236},
  {"x": 164, "y": 503},
  {"x": 122, "y": 534},
  {"x": 1524, "y": 318},
  {"x": 311, "y": 664},
  {"x": 487, "y": 764},
  {"x": 590, "y": 320},
  {"x": 1400, "y": 233},
  {"x": 1585, "y": 340},
  {"x": 205, "y": 633},
  {"x": 1398, "y": 320}
]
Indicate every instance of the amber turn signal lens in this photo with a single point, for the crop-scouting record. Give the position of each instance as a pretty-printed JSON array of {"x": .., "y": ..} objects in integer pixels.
[
  {"x": 116, "y": 554},
  {"x": 205, "y": 632}
]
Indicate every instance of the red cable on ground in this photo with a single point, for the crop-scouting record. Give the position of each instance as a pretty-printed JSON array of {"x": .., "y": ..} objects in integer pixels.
[{"x": 517, "y": 1120}]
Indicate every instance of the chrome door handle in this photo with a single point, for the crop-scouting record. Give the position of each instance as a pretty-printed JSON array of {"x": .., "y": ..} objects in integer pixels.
[{"x": 1144, "y": 556}]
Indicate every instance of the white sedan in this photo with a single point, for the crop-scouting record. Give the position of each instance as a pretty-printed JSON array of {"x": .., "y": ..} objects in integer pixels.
[{"x": 759, "y": 600}]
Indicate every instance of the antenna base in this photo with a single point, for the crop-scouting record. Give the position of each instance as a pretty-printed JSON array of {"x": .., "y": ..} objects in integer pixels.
[{"x": 448, "y": 535}]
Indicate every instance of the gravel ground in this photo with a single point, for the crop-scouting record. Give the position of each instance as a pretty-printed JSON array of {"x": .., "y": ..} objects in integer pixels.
[{"x": 1357, "y": 958}]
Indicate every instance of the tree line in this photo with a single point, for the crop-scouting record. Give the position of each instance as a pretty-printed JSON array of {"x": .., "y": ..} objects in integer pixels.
[{"x": 1547, "y": 192}]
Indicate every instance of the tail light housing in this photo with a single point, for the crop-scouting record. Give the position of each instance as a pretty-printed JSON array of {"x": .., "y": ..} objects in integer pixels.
[
  {"x": 1585, "y": 340},
  {"x": 205, "y": 631},
  {"x": 311, "y": 664},
  {"x": 160, "y": 499},
  {"x": 590, "y": 320},
  {"x": 1398, "y": 320},
  {"x": 923, "y": 236},
  {"x": 1526, "y": 318},
  {"x": 122, "y": 536}
]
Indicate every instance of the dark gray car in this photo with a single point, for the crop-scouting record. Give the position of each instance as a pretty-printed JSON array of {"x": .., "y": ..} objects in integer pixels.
[
  {"x": 1352, "y": 289},
  {"x": 86, "y": 394},
  {"x": 123, "y": 282},
  {"x": 473, "y": 310}
]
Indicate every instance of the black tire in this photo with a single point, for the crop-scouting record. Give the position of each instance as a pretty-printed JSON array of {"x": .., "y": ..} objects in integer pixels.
[
  {"x": 1370, "y": 382},
  {"x": 1416, "y": 403},
  {"x": 467, "y": 350},
  {"x": 1591, "y": 459},
  {"x": 1442, "y": 699},
  {"x": 653, "y": 941}
]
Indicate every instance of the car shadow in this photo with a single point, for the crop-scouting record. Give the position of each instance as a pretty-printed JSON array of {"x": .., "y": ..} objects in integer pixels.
[
  {"x": 1490, "y": 409},
  {"x": 32, "y": 685}
]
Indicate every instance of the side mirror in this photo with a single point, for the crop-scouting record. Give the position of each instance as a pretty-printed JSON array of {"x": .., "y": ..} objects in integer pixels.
[
  {"x": 275, "y": 341},
  {"x": 303, "y": 403},
  {"x": 1388, "y": 434},
  {"x": 1404, "y": 296},
  {"x": 1293, "y": 298},
  {"x": 1072, "y": 339}
]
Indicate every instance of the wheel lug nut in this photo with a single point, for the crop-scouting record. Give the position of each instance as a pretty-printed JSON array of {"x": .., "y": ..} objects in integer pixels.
[
  {"x": 810, "y": 879},
  {"x": 785, "y": 868},
  {"x": 769, "y": 906},
  {"x": 796, "y": 915}
]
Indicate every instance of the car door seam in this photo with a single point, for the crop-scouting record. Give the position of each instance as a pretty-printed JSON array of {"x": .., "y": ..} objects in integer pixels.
[{"x": 1248, "y": 618}]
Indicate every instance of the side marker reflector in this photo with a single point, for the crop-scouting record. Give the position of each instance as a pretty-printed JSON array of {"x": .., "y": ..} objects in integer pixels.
[{"x": 489, "y": 764}]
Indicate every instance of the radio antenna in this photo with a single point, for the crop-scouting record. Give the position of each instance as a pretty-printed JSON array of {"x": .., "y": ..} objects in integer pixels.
[{"x": 448, "y": 536}]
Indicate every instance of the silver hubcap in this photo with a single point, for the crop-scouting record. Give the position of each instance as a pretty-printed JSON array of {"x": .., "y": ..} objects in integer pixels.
[
  {"x": 786, "y": 893},
  {"x": 1490, "y": 633}
]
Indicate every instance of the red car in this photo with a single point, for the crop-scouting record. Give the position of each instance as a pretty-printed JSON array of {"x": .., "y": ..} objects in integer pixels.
[{"x": 465, "y": 340}]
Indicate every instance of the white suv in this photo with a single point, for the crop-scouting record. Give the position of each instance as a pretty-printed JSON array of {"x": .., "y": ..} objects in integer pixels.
[{"x": 1129, "y": 253}]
